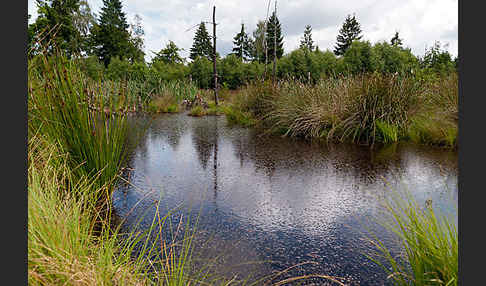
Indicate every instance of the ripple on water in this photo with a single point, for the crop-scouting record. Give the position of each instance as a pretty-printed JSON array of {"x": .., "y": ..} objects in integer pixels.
[{"x": 278, "y": 200}]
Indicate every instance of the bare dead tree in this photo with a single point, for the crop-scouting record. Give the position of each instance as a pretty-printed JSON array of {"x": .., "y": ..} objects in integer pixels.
[
  {"x": 275, "y": 46},
  {"x": 215, "y": 74}
]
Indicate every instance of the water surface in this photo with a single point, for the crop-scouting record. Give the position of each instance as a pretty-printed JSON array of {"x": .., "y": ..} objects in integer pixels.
[{"x": 280, "y": 200}]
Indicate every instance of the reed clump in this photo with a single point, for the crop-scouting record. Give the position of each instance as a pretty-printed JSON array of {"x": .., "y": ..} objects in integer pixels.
[
  {"x": 65, "y": 113},
  {"x": 364, "y": 109},
  {"x": 428, "y": 244},
  {"x": 75, "y": 154},
  {"x": 62, "y": 214},
  {"x": 163, "y": 104}
]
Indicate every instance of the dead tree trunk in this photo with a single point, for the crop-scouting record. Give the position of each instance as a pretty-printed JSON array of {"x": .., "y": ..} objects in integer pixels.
[
  {"x": 215, "y": 74},
  {"x": 275, "y": 47}
]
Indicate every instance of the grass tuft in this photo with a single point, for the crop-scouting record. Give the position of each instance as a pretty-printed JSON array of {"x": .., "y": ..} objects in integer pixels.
[{"x": 429, "y": 244}]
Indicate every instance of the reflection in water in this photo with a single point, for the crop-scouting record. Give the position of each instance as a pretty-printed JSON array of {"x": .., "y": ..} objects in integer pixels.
[
  {"x": 215, "y": 164},
  {"x": 278, "y": 200}
]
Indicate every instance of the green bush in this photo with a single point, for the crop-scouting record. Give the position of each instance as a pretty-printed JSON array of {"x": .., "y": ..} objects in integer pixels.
[
  {"x": 360, "y": 58},
  {"x": 201, "y": 72},
  {"x": 438, "y": 60},
  {"x": 170, "y": 71},
  {"x": 394, "y": 59},
  {"x": 92, "y": 67},
  {"x": 232, "y": 73},
  {"x": 124, "y": 70}
]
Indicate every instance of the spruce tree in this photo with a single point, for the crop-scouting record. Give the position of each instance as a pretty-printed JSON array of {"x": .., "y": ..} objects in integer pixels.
[
  {"x": 169, "y": 54},
  {"x": 201, "y": 46},
  {"x": 242, "y": 44},
  {"x": 273, "y": 28},
  {"x": 307, "y": 43},
  {"x": 349, "y": 32},
  {"x": 110, "y": 36},
  {"x": 396, "y": 41}
]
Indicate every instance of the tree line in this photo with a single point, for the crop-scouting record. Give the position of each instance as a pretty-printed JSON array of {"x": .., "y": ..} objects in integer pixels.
[{"x": 106, "y": 45}]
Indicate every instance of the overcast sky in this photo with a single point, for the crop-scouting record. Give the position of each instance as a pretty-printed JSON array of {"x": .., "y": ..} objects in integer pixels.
[{"x": 419, "y": 23}]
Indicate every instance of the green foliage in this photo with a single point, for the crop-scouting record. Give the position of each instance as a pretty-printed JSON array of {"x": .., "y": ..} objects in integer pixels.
[
  {"x": 201, "y": 46},
  {"x": 135, "y": 52},
  {"x": 59, "y": 106},
  {"x": 360, "y": 58},
  {"x": 293, "y": 65},
  {"x": 110, "y": 36},
  {"x": 437, "y": 60},
  {"x": 242, "y": 45},
  {"x": 386, "y": 133},
  {"x": 323, "y": 64},
  {"x": 92, "y": 67},
  {"x": 232, "y": 71},
  {"x": 306, "y": 42},
  {"x": 428, "y": 242},
  {"x": 367, "y": 108},
  {"x": 197, "y": 111},
  {"x": 83, "y": 20},
  {"x": 169, "y": 55},
  {"x": 55, "y": 22},
  {"x": 201, "y": 72},
  {"x": 258, "y": 43},
  {"x": 238, "y": 117},
  {"x": 165, "y": 104},
  {"x": 274, "y": 34},
  {"x": 349, "y": 32},
  {"x": 427, "y": 128},
  {"x": 124, "y": 70},
  {"x": 393, "y": 59},
  {"x": 253, "y": 71},
  {"x": 300, "y": 64},
  {"x": 62, "y": 212},
  {"x": 168, "y": 72}
]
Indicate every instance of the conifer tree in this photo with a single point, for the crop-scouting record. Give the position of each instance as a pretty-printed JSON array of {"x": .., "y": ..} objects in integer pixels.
[
  {"x": 110, "y": 36},
  {"x": 307, "y": 43},
  {"x": 396, "y": 41},
  {"x": 201, "y": 46},
  {"x": 169, "y": 54},
  {"x": 242, "y": 44},
  {"x": 349, "y": 32},
  {"x": 274, "y": 28}
]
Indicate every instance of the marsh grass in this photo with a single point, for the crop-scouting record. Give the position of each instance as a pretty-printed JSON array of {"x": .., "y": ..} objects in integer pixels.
[
  {"x": 431, "y": 128},
  {"x": 163, "y": 104},
  {"x": 428, "y": 242},
  {"x": 197, "y": 111},
  {"x": 364, "y": 109},
  {"x": 59, "y": 109},
  {"x": 63, "y": 212},
  {"x": 75, "y": 153}
]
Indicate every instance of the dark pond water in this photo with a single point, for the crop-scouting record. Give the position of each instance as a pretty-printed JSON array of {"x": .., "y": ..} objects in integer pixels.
[{"x": 278, "y": 201}]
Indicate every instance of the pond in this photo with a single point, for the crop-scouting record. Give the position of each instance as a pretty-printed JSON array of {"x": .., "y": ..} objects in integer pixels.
[{"x": 267, "y": 203}]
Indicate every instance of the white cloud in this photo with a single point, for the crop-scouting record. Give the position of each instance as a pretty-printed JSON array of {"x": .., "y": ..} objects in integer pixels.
[{"x": 420, "y": 23}]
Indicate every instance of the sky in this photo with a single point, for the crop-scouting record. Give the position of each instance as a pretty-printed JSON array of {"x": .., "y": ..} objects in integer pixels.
[{"x": 419, "y": 23}]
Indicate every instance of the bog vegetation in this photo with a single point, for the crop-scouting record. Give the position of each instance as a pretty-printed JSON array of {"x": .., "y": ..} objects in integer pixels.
[{"x": 79, "y": 101}]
